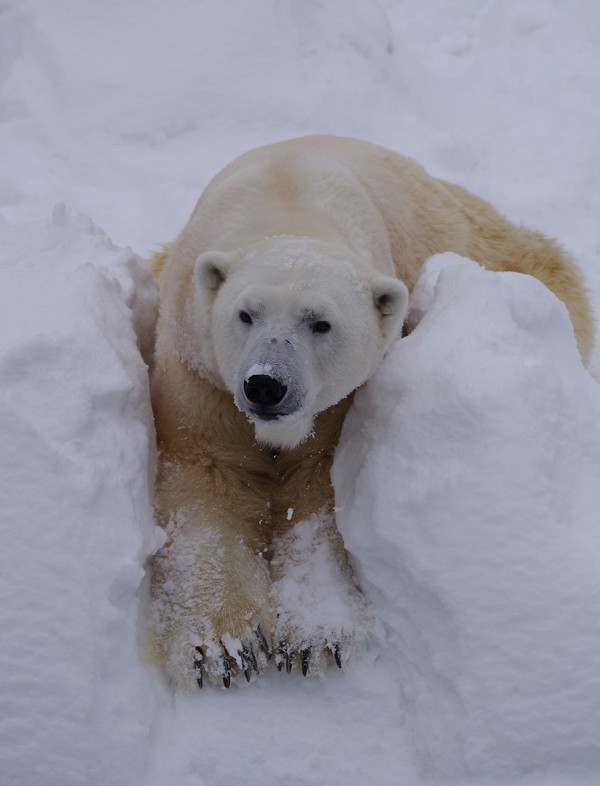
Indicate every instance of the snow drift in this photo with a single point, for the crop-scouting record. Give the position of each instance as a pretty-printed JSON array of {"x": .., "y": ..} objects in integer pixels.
[
  {"x": 467, "y": 481},
  {"x": 77, "y": 463}
]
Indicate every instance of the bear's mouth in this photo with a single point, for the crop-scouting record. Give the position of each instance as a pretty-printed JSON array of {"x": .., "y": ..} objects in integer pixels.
[
  {"x": 266, "y": 416},
  {"x": 282, "y": 430}
]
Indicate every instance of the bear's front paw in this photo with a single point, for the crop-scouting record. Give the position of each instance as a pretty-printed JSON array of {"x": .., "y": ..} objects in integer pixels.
[
  {"x": 197, "y": 649},
  {"x": 312, "y": 636},
  {"x": 210, "y": 609},
  {"x": 221, "y": 658},
  {"x": 322, "y": 618},
  {"x": 311, "y": 651}
]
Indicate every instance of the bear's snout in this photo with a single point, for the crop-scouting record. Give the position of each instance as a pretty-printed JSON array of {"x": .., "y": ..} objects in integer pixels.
[
  {"x": 264, "y": 392},
  {"x": 269, "y": 384}
]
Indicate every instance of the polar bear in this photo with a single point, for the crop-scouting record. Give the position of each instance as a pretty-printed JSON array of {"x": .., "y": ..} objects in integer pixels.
[{"x": 278, "y": 300}]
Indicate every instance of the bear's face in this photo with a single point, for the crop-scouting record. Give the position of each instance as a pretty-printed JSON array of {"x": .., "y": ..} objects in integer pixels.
[{"x": 295, "y": 329}]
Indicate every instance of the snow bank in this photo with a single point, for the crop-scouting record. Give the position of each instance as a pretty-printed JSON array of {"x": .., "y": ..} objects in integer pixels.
[
  {"x": 76, "y": 457},
  {"x": 467, "y": 486}
]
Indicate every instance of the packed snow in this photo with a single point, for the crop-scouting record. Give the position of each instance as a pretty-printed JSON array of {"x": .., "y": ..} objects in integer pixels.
[
  {"x": 467, "y": 475},
  {"x": 474, "y": 516}
]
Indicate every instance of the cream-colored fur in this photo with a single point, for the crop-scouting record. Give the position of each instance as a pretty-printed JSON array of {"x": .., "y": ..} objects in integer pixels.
[{"x": 224, "y": 498}]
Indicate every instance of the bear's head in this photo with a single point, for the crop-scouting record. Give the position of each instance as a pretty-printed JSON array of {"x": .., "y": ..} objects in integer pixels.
[{"x": 295, "y": 325}]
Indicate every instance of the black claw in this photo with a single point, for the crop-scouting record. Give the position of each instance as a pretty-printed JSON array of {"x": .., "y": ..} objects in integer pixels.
[
  {"x": 251, "y": 659},
  {"x": 198, "y": 666},
  {"x": 305, "y": 654},
  {"x": 226, "y": 673},
  {"x": 281, "y": 655},
  {"x": 336, "y": 655},
  {"x": 243, "y": 656},
  {"x": 263, "y": 642}
]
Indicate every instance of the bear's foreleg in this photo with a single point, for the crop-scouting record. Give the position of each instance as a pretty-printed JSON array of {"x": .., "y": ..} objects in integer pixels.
[
  {"x": 322, "y": 616},
  {"x": 210, "y": 589}
]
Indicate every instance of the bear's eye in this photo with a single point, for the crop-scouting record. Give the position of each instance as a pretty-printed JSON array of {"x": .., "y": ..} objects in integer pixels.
[
  {"x": 245, "y": 317},
  {"x": 320, "y": 326}
]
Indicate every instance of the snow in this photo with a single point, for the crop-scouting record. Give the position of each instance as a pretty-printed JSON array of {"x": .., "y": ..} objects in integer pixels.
[
  {"x": 76, "y": 455},
  {"x": 466, "y": 479},
  {"x": 473, "y": 514},
  {"x": 258, "y": 368}
]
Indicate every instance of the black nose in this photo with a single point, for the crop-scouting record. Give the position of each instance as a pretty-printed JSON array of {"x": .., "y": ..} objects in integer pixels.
[{"x": 264, "y": 391}]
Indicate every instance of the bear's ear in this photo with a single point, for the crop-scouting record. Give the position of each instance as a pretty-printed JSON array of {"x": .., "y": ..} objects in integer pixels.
[
  {"x": 390, "y": 298},
  {"x": 211, "y": 269}
]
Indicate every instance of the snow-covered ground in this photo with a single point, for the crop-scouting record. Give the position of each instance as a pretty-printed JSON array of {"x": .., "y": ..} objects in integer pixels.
[{"x": 467, "y": 475}]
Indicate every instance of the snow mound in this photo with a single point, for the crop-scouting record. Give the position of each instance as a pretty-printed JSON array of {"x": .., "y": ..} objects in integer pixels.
[
  {"x": 467, "y": 486},
  {"x": 77, "y": 444}
]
